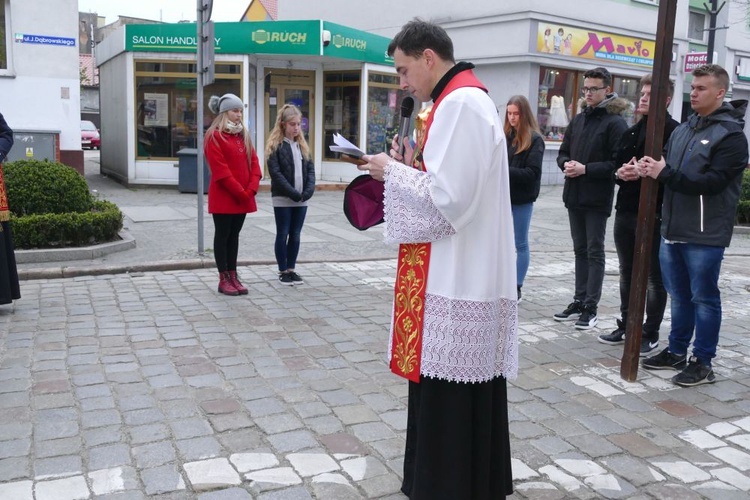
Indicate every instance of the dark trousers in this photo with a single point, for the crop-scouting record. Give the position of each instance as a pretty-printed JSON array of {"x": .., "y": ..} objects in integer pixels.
[
  {"x": 289, "y": 221},
  {"x": 656, "y": 295},
  {"x": 227, "y": 229},
  {"x": 587, "y": 229}
]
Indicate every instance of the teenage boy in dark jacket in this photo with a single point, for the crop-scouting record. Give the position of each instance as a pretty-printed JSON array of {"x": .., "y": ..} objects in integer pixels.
[
  {"x": 702, "y": 176},
  {"x": 632, "y": 146},
  {"x": 587, "y": 157}
]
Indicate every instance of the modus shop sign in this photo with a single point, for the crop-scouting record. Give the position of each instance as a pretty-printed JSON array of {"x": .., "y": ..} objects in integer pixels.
[
  {"x": 45, "y": 40},
  {"x": 694, "y": 60}
]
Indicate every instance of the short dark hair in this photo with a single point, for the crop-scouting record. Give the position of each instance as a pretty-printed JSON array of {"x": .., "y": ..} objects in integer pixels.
[
  {"x": 721, "y": 75},
  {"x": 601, "y": 73},
  {"x": 648, "y": 79},
  {"x": 418, "y": 35}
]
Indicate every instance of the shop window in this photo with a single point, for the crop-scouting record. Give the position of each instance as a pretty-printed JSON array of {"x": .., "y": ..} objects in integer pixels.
[
  {"x": 340, "y": 107},
  {"x": 696, "y": 26},
  {"x": 627, "y": 88},
  {"x": 166, "y": 104},
  {"x": 557, "y": 98},
  {"x": 4, "y": 6},
  {"x": 383, "y": 111}
]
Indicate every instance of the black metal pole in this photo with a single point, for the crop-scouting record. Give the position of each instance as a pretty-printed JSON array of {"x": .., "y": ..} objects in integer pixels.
[{"x": 711, "y": 30}]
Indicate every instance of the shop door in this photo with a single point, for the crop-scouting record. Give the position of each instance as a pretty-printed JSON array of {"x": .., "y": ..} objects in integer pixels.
[{"x": 295, "y": 87}]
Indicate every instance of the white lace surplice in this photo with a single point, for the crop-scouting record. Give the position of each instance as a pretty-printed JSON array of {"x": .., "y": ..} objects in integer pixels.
[{"x": 462, "y": 206}]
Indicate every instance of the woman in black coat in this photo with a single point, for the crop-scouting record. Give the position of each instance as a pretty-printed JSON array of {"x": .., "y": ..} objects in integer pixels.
[
  {"x": 292, "y": 184},
  {"x": 9, "y": 287},
  {"x": 525, "y": 153}
]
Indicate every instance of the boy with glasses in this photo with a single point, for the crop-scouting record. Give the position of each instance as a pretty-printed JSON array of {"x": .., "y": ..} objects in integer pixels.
[{"x": 587, "y": 157}]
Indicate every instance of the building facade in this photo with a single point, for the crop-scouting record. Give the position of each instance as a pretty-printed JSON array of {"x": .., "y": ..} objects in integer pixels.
[
  {"x": 40, "y": 79},
  {"x": 340, "y": 78},
  {"x": 541, "y": 48}
]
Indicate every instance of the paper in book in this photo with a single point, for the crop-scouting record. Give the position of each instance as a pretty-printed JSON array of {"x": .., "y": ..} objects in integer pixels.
[{"x": 341, "y": 145}]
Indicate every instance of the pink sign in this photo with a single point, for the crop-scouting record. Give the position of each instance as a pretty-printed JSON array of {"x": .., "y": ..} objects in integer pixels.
[{"x": 695, "y": 59}]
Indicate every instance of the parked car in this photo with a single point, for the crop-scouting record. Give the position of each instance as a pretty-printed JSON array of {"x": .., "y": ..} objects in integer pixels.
[{"x": 90, "y": 135}]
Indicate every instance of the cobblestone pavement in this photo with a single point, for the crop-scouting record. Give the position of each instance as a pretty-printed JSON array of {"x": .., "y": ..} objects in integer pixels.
[{"x": 152, "y": 385}]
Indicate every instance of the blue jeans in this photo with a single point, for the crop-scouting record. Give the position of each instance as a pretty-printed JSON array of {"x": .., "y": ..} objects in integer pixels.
[
  {"x": 289, "y": 222},
  {"x": 587, "y": 229},
  {"x": 521, "y": 223},
  {"x": 691, "y": 277}
]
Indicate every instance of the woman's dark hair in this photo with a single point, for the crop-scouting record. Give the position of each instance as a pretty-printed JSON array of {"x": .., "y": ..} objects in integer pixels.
[
  {"x": 418, "y": 35},
  {"x": 527, "y": 124}
]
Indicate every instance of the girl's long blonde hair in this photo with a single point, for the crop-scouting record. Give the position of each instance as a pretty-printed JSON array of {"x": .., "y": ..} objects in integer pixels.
[
  {"x": 286, "y": 113},
  {"x": 220, "y": 124},
  {"x": 527, "y": 124}
]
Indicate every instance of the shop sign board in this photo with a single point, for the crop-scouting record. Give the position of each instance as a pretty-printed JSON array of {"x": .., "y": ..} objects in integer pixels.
[
  {"x": 264, "y": 37},
  {"x": 605, "y": 47},
  {"x": 695, "y": 59},
  {"x": 349, "y": 43}
]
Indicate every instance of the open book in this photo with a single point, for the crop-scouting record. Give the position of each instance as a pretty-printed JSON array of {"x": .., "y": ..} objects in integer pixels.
[{"x": 341, "y": 145}]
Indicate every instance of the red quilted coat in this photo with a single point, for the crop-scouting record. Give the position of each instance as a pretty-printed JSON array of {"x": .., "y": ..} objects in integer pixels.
[{"x": 234, "y": 183}]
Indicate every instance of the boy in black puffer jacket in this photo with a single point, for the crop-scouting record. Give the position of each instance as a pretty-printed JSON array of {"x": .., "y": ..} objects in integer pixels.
[{"x": 587, "y": 157}]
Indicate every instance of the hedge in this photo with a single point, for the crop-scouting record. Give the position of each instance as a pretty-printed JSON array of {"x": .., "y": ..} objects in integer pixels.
[
  {"x": 43, "y": 187},
  {"x": 51, "y": 206},
  {"x": 743, "y": 210}
]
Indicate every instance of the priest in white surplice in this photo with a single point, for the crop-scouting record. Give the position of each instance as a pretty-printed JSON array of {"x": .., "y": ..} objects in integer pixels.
[{"x": 453, "y": 334}]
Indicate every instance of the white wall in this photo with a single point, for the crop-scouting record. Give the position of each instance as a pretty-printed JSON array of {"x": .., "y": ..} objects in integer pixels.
[
  {"x": 41, "y": 92},
  {"x": 116, "y": 113}
]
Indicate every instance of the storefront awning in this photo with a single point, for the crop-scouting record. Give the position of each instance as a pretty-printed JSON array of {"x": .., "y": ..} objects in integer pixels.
[{"x": 264, "y": 37}]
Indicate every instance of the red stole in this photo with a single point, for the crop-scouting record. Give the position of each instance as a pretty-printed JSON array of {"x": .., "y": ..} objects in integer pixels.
[
  {"x": 413, "y": 268},
  {"x": 4, "y": 209}
]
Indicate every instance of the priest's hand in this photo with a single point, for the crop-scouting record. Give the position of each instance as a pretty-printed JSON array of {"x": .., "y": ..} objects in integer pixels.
[
  {"x": 376, "y": 165},
  {"x": 406, "y": 158}
]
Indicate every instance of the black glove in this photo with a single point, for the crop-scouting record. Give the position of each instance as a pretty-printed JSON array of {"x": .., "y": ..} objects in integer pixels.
[{"x": 296, "y": 197}]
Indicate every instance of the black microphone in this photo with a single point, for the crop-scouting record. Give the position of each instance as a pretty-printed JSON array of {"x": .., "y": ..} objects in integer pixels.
[{"x": 407, "y": 107}]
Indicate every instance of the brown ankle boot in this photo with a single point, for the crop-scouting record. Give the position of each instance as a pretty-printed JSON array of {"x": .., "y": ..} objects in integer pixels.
[
  {"x": 225, "y": 284},
  {"x": 236, "y": 282}
]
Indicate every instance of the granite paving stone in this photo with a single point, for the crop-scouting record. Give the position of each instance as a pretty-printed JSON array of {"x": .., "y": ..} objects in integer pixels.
[{"x": 113, "y": 384}]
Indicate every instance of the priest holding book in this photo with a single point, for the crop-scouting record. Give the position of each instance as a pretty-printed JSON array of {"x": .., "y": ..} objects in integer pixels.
[{"x": 453, "y": 335}]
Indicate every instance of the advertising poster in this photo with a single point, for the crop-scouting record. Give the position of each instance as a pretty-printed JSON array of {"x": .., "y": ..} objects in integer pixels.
[
  {"x": 605, "y": 47},
  {"x": 155, "y": 110}
]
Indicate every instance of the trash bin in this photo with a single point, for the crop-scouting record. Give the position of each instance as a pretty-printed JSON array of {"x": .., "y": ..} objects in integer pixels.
[{"x": 188, "y": 175}]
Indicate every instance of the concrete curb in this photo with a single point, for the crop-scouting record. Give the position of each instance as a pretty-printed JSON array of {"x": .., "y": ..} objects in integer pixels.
[
  {"x": 127, "y": 241},
  {"x": 165, "y": 265}
]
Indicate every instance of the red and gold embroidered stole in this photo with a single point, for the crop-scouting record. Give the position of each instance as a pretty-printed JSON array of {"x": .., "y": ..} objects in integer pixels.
[
  {"x": 4, "y": 209},
  {"x": 413, "y": 266}
]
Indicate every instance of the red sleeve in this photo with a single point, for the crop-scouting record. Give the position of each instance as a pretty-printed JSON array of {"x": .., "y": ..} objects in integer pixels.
[{"x": 255, "y": 173}]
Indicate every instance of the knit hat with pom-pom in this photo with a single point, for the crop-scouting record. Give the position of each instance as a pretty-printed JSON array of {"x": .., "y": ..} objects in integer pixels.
[{"x": 224, "y": 103}]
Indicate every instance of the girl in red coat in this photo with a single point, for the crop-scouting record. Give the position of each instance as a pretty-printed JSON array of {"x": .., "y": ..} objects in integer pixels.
[{"x": 235, "y": 177}]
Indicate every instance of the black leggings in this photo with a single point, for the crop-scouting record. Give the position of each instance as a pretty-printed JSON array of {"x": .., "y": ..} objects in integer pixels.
[{"x": 227, "y": 229}]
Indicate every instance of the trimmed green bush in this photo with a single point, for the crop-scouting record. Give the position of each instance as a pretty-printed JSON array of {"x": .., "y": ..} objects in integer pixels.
[
  {"x": 51, "y": 206},
  {"x": 44, "y": 187}
]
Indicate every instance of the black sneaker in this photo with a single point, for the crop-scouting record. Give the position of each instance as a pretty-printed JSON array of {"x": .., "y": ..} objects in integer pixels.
[
  {"x": 694, "y": 374},
  {"x": 616, "y": 337},
  {"x": 519, "y": 294},
  {"x": 286, "y": 279},
  {"x": 296, "y": 278},
  {"x": 665, "y": 360},
  {"x": 573, "y": 311},
  {"x": 648, "y": 346},
  {"x": 588, "y": 318}
]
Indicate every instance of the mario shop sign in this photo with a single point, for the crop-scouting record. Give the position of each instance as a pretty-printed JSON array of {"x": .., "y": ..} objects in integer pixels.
[{"x": 561, "y": 40}]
